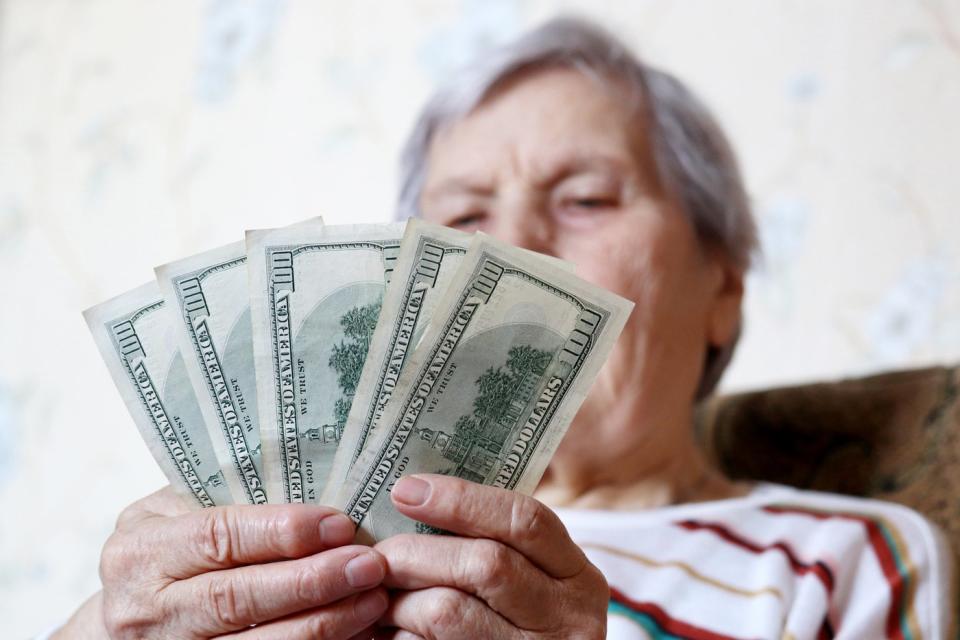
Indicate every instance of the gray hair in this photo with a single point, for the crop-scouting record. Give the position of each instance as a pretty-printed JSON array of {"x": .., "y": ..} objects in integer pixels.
[{"x": 693, "y": 159}]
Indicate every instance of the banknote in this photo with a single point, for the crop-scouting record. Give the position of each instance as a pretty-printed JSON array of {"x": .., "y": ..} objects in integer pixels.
[
  {"x": 134, "y": 333},
  {"x": 429, "y": 257},
  {"x": 209, "y": 299},
  {"x": 511, "y": 351},
  {"x": 316, "y": 297}
]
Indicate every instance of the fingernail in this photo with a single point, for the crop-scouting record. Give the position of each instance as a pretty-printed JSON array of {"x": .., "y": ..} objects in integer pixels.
[
  {"x": 336, "y": 530},
  {"x": 370, "y": 606},
  {"x": 411, "y": 491},
  {"x": 364, "y": 571}
]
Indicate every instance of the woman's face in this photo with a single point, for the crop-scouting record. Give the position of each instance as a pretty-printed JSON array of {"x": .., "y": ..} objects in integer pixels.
[{"x": 556, "y": 163}]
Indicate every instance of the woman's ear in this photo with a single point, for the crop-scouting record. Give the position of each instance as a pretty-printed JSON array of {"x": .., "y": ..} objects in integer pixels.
[{"x": 723, "y": 319}]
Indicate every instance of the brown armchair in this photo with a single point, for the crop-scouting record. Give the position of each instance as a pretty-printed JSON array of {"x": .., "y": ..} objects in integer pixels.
[{"x": 894, "y": 436}]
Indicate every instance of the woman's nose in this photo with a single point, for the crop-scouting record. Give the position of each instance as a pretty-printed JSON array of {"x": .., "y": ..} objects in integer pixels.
[{"x": 523, "y": 226}]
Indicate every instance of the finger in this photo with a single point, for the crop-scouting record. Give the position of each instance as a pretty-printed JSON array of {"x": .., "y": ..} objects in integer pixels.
[
  {"x": 349, "y": 618},
  {"x": 237, "y": 598},
  {"x": 505, "y": 580},
  {"x": 164, "y": 502},
  {"x": 225, "y": 537},
  {"x": 442, "y": 612},
  {"x": 475, "y": 510}
]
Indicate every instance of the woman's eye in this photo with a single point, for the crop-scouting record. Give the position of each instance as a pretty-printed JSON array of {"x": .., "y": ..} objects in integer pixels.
[
  {"x": 591, "y": 202},
  {"x": 467, "y": 221},
  {"x": 594, "y": 202}
]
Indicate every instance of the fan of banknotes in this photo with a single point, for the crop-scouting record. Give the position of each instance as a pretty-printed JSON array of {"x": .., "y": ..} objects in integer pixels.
[{"x": 320, "y": 363}]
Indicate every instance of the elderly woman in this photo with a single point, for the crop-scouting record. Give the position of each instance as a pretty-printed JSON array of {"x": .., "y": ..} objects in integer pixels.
[{"x": 563, "y": 143}]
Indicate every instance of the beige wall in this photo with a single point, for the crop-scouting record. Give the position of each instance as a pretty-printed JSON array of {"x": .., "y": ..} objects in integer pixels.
[{"x": 135, "y": 132}]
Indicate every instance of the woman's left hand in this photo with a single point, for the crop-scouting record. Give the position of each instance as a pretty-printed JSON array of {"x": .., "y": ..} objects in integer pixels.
[{"x": 511, "y": 571}]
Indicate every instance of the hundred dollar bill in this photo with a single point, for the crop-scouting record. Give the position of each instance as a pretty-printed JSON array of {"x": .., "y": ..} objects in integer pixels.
[
  {"x": 429, "y": 257},
  {"x": 209, "y": 298},
  {"x": 316, "y": 297},
  {"x": 134, "y": 333},
  {"x": 509, "y": 355}
]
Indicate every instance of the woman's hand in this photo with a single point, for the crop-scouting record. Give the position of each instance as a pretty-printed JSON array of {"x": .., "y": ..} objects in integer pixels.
[
  {"x": 516, "y": 574},
  {"x": 172, "y": 573}
]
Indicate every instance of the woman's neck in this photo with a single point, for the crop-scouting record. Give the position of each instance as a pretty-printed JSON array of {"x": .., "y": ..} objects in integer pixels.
[{"x": 629, "y": 469}]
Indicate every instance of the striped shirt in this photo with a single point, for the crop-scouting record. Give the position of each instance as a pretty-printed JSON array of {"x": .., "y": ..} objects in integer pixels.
[{"x": 780, "y": 563}]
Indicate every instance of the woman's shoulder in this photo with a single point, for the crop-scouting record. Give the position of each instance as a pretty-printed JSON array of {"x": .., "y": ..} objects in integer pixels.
[
  {"x": 825, "y": 508},
  {"x": 894, "y": 531},
  {"x": 838, "y": 528},
  {"x": 765, "y": 506}
]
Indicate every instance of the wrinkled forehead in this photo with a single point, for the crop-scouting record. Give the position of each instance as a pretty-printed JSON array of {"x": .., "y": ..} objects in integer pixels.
[{"x": 538, "y": 118}]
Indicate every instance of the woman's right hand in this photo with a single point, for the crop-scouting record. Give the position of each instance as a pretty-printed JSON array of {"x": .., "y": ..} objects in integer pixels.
[{"x": 288, "y": 569}]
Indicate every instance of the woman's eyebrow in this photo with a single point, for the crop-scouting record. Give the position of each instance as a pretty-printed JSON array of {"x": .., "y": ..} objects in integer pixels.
[
  {"x": 457, "y": 186},
  {"x": 547, "y": 176},
  {"x": 573, "y": 165}
]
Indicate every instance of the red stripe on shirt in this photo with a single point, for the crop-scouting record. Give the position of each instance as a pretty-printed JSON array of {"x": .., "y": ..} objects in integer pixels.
[{"x": 819, "y": 569}]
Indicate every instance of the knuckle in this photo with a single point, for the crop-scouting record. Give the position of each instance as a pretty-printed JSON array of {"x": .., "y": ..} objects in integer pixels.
[
  {"x": 135, "y": 513},
  {"x": 286, "y": 533},
  {"x": 294, "y": 531},
  {"x": 322, "y": 625},
  {"x": 598, "y": 582},
  {"x": 458, "y": 496},
  {"x": 122, "y": 622},
  {"x": 444, "y": 610},
  {"x": 397, "y": 546},
  {"x": 309, "y": 582},
  {"x": 491, "y": 565},
  {"x": 595, "y": 596},
  {"x": 401, "y": 551},
  {"x": 126, "y": 516},
  {"x": 215, "y": 537},
  {"x": 529, "y": 519},
  {"x": 129, "y": 610},
  {"x": 117, "y": 559},
  {"x": 226, "y": 607}
]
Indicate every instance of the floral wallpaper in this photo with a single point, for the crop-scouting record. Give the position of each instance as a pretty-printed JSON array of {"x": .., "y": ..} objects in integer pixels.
[{"x": 133, "y": 133}]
